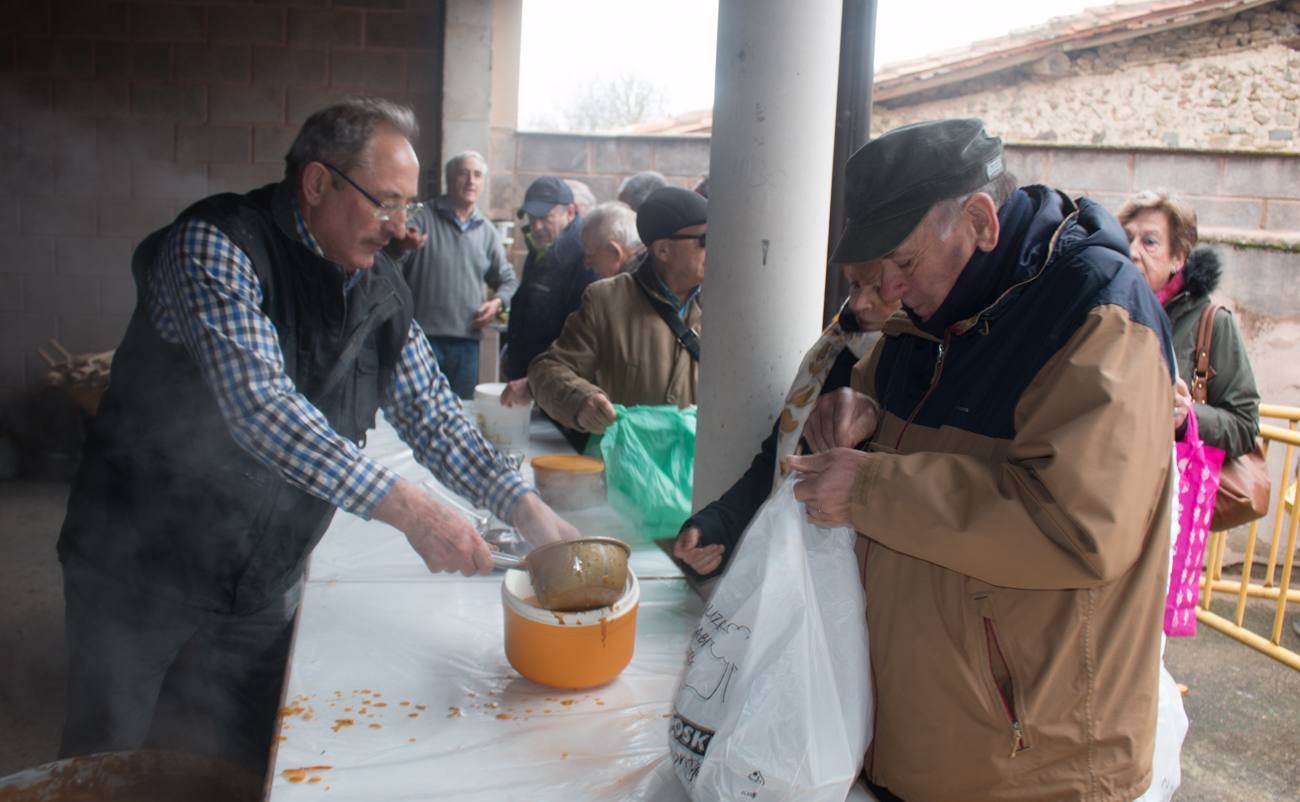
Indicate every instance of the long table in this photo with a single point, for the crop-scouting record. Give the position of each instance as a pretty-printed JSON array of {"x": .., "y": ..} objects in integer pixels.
[{"x": 398, "y": 686}]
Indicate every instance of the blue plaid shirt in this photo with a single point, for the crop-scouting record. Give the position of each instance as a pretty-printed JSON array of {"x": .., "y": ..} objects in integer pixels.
[{"x": 207, "y": 298}]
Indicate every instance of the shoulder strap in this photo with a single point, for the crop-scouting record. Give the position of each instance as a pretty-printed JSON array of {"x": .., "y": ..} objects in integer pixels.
[
  {"x": 1203, "y": 370},
  {"x": 689, "y": 339}
]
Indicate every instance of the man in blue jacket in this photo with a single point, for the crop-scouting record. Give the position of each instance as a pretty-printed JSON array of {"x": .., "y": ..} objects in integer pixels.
[{"x": 554, "y": 277}]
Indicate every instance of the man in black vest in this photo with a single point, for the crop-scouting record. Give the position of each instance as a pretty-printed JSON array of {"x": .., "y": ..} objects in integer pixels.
[{"x": 269, "y": 328}]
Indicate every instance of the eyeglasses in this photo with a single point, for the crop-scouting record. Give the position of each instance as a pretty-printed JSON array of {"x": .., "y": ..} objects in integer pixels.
[
  {"x": 383, "y": 211},
  {"x": 699, "y": 237}
]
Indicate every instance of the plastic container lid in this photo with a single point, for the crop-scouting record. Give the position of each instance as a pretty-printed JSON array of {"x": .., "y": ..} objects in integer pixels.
[{"x": 568, "y": 463}]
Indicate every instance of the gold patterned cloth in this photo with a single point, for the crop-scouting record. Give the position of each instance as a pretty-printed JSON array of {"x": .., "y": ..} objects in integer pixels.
[{"x": 808, "y": 381}]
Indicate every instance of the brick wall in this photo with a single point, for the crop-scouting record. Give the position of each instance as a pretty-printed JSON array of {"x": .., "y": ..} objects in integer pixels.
[
  {"x": 1227, "y": 84},
  {"x": 114, "y": 115}
]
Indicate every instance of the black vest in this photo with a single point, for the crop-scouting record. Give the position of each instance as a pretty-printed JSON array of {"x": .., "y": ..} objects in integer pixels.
[{"x": 164, "y": 499}]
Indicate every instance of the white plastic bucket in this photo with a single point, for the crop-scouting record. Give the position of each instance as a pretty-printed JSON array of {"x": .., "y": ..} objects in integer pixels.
[{"x": 504, "y": 427}]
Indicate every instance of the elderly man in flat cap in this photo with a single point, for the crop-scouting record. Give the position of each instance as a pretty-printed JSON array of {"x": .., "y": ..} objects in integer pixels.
[
  {"x": 635, "y": 338},
  {"x": 1014, "y": 496}
]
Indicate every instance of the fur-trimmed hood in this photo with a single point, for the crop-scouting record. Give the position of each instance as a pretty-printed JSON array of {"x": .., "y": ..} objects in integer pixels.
[{"x": 1202, "y": 272}]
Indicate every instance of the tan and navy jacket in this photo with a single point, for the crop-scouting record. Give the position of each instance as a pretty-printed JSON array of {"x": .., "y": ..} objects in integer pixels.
[
  {"x": 616, "y": 343},
  {"x": 1016, "y": 509}
]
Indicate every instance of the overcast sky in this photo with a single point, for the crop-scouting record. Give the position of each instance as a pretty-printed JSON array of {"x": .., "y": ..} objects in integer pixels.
[{"x": 672, "y": 42}]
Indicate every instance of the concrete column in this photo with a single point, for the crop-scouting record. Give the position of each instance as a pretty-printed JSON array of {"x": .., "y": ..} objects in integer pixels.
[
  {"x": 468, "y": 80},
  {"x": 769, "y": 189}
]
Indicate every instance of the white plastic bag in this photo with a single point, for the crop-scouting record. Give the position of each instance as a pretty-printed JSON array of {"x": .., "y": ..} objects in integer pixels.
[
  {"x": 1171, "y": 719},
  {"x": 775, "y": 702},
  {"x": 1171, "y": 727}
]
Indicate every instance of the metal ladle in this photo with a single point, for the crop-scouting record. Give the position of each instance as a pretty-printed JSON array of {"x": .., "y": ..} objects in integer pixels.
[{"x": 501, "y": 540}]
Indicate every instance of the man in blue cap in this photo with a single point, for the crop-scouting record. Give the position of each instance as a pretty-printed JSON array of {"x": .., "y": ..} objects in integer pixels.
[
  {"x": 1014, "y": 498},
  {"x": 554, "y": 277}
]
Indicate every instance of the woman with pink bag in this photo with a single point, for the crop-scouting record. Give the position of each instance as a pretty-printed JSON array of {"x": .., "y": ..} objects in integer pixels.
[{"x": 1218, "y": 418}]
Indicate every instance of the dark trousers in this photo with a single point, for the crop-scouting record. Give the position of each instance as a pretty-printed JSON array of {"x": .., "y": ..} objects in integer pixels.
[
  {"x": 147, "y": 673},
  {"x": 458, "y": 359}
]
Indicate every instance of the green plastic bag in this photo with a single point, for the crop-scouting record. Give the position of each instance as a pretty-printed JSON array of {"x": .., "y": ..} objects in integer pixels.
[{"x": 649, "y": 456}]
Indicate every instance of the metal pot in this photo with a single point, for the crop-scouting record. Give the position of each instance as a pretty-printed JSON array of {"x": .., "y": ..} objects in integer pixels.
[
  {"x": 580, "y": 574},
  {"x": 133, "y": 777}
]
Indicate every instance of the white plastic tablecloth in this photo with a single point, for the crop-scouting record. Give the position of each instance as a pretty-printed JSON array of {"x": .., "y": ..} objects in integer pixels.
[
  {"x": 398, "y": 686},
  {"x": 402, "y": 691}
]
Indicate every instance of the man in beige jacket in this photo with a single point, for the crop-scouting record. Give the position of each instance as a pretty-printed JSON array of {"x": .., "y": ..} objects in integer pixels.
[
  {"x": 634, "y": 339},
  {"x": 1014, "y": 498}
]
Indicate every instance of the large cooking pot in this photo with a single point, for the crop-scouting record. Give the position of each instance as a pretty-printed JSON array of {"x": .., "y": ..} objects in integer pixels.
[
  {"x": 133, "y": 777},
  {"x": 568, "y": 650}
]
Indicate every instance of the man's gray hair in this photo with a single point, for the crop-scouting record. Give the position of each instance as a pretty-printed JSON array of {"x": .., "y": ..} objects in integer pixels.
[
  {"x": 612, "y": 221},
  {"x": 944, "y": 214},
  {"x": 636, "y": 188},
  {"x": 583, "y": 197},
  {"x": 454, "y": 163},
  {"x": 339, "y": 135}
]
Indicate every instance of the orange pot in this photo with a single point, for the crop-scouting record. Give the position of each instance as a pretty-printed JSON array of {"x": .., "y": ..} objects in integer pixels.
[{"x": 567, "y": 650}]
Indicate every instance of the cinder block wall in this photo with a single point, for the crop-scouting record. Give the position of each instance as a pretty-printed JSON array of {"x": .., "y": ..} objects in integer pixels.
[
  {"x": 116, "y": 114},
  {"x": 1257, "y": 192},
  {"x": 1235, "y": 193},
  {"x": 519, "y": 157},
  {"x": 1237, "y": 197}
]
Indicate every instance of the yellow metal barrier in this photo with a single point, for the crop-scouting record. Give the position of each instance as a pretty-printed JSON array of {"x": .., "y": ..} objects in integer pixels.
[{"x": 1271, "y": 586}]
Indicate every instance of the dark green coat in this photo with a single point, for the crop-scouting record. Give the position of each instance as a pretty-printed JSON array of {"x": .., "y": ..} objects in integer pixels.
[{"x": 1230, "y": 420}]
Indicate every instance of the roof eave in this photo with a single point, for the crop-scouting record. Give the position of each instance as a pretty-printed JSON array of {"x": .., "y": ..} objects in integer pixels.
[{"x": 1119, "y": 30}]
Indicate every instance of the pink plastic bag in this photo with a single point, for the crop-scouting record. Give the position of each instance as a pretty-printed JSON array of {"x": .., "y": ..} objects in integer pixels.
[{"x": 1198, "y": 484}]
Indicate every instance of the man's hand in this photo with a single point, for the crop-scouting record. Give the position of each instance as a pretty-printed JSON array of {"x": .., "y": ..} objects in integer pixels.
[
  {"x": 1182, "y": 404},
  {"x": 516, "y": 393},
  {"x": 596, "y": 413},
  {"x": 826, "y": 484},
  {"x": 842, "y": 418},
  {"x": 412, "y": 240},
  {"x": 442, "y": 537},
  {"x": 486, "y": 313},
  {"x": 538, "y": 523},
  {"x": 703, "y": 560}
]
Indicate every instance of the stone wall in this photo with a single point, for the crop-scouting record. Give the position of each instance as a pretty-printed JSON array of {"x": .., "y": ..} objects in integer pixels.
[
  {"x": 114, "y": 115},
  {"x": 1229, "y": 84}
]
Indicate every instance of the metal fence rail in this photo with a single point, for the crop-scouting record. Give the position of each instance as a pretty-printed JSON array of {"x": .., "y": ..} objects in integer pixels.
[{"x": 1271, "y": 586}]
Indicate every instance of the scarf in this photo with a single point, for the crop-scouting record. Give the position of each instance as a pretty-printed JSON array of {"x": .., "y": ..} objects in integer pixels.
[
  {"x": 808, "y": 381},
  {"x": 1171, "y": 288}
]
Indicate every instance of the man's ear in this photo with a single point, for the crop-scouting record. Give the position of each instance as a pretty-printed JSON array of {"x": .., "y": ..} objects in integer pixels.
[
  {"x": 620, "y": 249},
  {"x": 314, "y": 182},
  {"x": 659, "y": 250},
  {"x": 982, "y": 213}
]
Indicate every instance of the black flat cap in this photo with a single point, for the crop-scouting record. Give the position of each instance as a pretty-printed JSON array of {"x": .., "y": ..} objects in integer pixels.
[
  {"x": 544, "y": 194},
  {"x": 668, "y": 210},
  {"x": 893, "y": 180}
]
